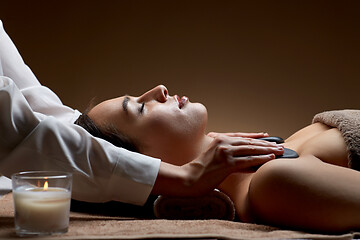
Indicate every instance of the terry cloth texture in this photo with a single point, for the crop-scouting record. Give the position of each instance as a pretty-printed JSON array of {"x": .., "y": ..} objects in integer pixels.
[
  {"x": 98, "y": 226},
  {"x": 348, "y": 123},
  {"x": 216, "y": 205}
]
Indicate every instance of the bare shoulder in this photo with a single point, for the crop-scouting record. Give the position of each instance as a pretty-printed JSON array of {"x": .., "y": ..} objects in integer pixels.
[{"x": 321, "y": 141}]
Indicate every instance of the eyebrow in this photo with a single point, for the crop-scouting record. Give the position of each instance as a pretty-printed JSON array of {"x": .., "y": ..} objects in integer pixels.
[{"x": 125, "y": 103}]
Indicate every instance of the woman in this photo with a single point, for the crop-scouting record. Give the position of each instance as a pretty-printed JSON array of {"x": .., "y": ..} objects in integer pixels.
[
  {"x": 317, "y": 191},
  {"x": 37, "y": 133}
]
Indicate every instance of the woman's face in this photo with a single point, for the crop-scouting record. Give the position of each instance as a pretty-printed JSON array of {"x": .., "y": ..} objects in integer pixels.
[{"x": 161, "y": 125}]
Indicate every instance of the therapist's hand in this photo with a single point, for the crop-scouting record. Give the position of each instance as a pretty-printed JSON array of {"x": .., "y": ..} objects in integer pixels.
[
  {"x": 224, "y": 156},
  {"x": 227, "y": 155},
  {"x": 238, "y": 134}
]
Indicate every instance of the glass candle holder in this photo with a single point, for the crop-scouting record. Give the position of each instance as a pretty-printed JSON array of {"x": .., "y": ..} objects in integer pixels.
[{"x": 41, "y": 202}]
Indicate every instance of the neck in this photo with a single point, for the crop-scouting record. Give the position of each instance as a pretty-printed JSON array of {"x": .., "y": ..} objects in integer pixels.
[
  {"x": 205, "y": 144},
  {"x": 188, "y": 152}
]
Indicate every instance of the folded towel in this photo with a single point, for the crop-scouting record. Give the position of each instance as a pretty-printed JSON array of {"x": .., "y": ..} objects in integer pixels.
[
  {"x": 97, "y": 226},
  {"x": 348, "y": 123},
  {"x": 216, "y": 205}
]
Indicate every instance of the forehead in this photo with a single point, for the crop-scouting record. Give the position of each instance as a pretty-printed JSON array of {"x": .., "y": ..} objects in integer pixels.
[{"x": 106, "y": 111}]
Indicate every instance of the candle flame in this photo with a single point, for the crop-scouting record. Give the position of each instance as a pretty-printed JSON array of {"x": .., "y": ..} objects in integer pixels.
[{"x": 46, "y": 185}]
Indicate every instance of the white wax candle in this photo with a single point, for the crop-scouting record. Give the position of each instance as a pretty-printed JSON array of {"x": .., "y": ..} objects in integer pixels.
[{"x": 43, "y": 211}]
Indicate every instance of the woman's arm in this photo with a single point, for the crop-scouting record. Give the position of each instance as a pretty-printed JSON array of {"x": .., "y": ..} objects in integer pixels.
[
  {"x": 306, "y": 194},
  {"x": 314, "y": 192}
]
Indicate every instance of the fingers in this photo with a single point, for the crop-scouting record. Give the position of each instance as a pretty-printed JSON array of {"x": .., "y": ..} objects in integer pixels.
[
  {"x": 238, "y": 146},
  {"x": 237, "y": 141},
  {"x": 255, "y": 135},
  {"x": 248, "y": 162},
  {"x": 242, "y": 154},
  {"x": 249, "y": 150},
  {"x": 246, "y": 153},
  {"x": 239, "y": 134}
]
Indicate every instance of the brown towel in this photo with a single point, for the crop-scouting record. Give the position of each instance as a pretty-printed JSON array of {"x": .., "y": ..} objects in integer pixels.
[
  {"x": 216, "y": 205},
  {"x": 89, "y": 226},
  {"x": 348, "y": 123}
]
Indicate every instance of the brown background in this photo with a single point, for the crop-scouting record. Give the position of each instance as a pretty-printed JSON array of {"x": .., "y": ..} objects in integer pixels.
[{"x": 256, "y": 65}]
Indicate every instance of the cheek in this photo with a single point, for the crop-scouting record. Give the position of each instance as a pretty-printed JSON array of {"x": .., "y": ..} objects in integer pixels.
[
  {"x": 157, "y": 131},
  {"x": 162, "y": 120},
  {"x": 178, "y": 123},
  {"x": 167, "y": 132}
]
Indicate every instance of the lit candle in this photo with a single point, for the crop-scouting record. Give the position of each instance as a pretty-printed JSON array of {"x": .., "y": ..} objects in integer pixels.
[{"x": 41, "y": 210}]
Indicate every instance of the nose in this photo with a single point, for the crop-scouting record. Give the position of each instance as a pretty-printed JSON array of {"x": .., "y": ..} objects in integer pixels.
[{"x": 158, "y": 93}]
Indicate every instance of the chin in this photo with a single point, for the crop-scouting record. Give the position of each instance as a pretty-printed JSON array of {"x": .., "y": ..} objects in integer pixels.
[
  {"x": 197, "y": 120},
  {"x": 201, "y": 113}
]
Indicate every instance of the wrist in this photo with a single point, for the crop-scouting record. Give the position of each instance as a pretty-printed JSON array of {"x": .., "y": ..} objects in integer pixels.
[
  {"x": 191, "y": 173},
  {"x": 171, "y": 180}
]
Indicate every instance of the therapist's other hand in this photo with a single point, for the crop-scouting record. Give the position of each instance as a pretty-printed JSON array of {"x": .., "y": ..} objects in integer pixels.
[{"x": 226, "y": 155}]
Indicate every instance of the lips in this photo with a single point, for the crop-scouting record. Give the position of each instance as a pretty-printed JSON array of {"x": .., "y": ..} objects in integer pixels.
[{"x": 181, "y": 101}]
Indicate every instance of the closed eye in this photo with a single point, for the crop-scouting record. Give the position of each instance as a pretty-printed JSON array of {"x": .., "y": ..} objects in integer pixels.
[{"x": 141, "y": 109}]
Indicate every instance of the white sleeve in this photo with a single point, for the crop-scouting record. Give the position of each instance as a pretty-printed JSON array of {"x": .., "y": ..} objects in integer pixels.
[
  {"x": 12, "y": 63},
  {"x": 50, "y": 140},
  {"x": 1, "y": 71},
  {"x": 41, "y": 99},
  {"x": 101, "y": 171}
]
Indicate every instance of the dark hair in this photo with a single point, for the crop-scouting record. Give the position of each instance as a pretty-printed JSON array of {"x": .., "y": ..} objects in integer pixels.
[{"x": 108, "y": 133}]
